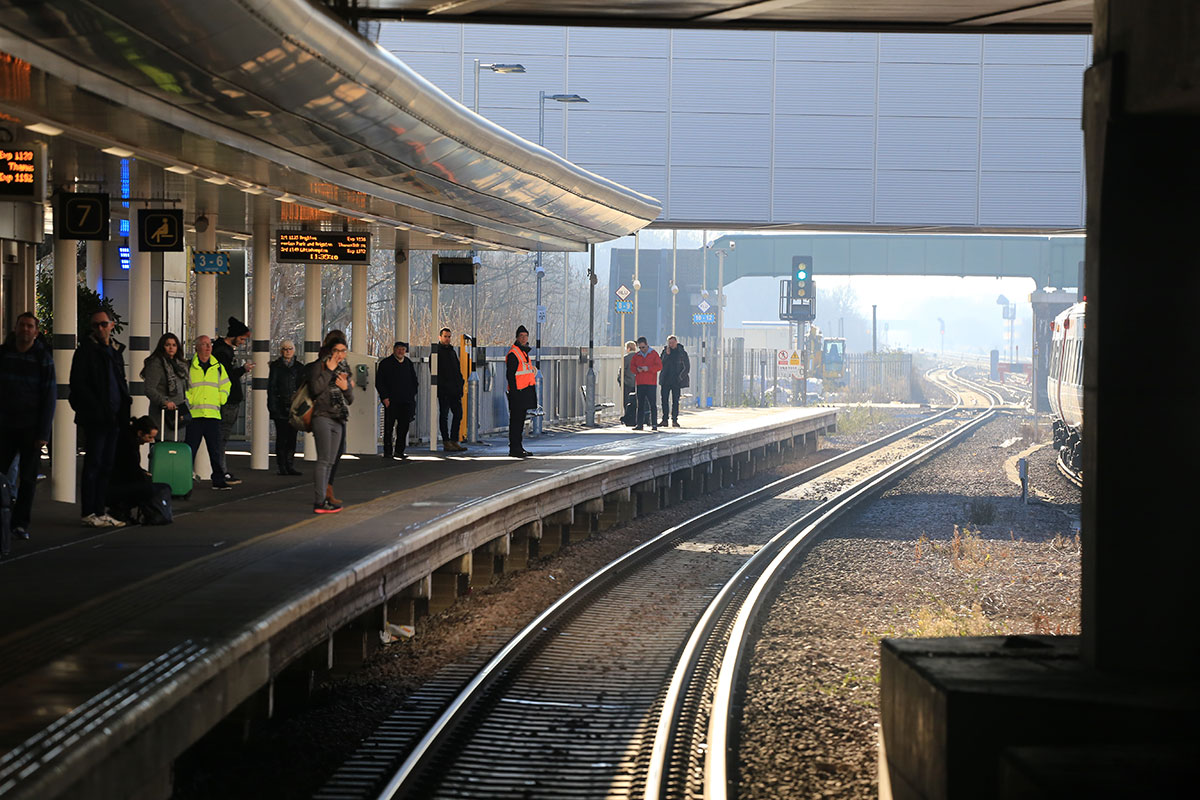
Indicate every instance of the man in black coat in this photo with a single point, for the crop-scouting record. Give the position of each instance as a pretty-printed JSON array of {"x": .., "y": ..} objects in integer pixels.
[
  {"x": 282, "y": 382},
  {"x": 396, "y": 382},
  {"x": 28, "y": 395},
  {"x": 675, "y": 375},
  {"x": 100, "y": 398},
  {"x": 223, "y": 351},
  {"x": 522, "y": 391},
  {"x": 449, "y": 392}
]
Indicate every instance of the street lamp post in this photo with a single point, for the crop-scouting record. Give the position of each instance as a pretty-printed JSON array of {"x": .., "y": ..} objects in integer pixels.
[
  {"x": 473, "y": 378},
  {"x": 540, "y": 271}
]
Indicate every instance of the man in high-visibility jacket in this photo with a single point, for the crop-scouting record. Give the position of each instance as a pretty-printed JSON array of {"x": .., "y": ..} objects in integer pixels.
[
  {"x": 208, "y": 389},
  {"x": 522, "y": 394}
]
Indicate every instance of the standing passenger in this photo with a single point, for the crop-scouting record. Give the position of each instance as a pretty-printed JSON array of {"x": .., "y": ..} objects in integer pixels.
[
  {"x": 646, "y": 365},
  {"x": 100, "y": 397},
  {"x": 628, "y": 384},
  {"x": 282, "y": 382},
  {"x": 522, "y": 391},
  {"x": 449, "y": 392},
  {"x": 328, "y": 381},
  {"x": 396, "y": 382},
  {"x": 208, "y": 389},
  {"x": 222, "y": 351},
  {"x": 676, "y": 368},
  {"x": 28, "y": 392},
  {"x": 165, "y": 380}
]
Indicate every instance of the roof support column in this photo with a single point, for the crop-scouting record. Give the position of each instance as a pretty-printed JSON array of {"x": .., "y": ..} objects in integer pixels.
[
  {"x": 66, "y": 305},
  {"x": 359, "y": 342},
  {"x": 260, "y": 443},
  {"x": 434, "y": 335},
  {"x": 206, "y": 292},
  {"x": 139, "y": 295},
  {"x": 95, "y": 259},
  {"x": 312, "y": 333},
  {"x": 66, "y": 314},
  {"x": 1141, "y": 124},
  {"x": 403, "y": 290}
]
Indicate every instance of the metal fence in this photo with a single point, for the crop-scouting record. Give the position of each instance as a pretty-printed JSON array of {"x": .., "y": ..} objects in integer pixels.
[{"x": 751, "y": 378}]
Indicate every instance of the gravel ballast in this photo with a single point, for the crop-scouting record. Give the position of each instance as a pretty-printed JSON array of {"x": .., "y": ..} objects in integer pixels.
[{"x": 810, "y": 727}]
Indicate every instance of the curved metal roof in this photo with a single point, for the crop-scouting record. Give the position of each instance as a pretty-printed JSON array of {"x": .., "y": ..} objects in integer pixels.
[
  {"x": 963, "y": 16},
  {"x": 206, "y": 84}
]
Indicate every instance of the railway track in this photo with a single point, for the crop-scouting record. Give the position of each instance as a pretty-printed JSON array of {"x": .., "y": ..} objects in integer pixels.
[
  {"x": 1073, "y": 475},
  {"x": 623, "y": 686}
]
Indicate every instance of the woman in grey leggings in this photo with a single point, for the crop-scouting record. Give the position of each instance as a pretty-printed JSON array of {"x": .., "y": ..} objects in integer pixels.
[{"x": 329, "y": 384}]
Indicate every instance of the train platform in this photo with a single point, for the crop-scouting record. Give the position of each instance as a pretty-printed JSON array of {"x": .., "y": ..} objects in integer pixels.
[{"x": 122, "y": 647}]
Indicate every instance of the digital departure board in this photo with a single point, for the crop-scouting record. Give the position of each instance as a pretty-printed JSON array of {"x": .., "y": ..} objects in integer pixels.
[
  {"x": 18, "y": 173},
  {"x": 304, "y": 247}
]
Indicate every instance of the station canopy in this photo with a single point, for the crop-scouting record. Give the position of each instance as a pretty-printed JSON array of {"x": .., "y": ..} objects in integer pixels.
[
  {"x": 964, "y": 16},
  {"x": 279, "y": 97}
]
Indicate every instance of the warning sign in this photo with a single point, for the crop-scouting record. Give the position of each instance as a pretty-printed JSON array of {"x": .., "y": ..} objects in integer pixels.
[{"x": 788, "y": 362}]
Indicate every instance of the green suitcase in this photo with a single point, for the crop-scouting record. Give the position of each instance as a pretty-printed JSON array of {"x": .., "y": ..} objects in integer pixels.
[{"x": 171, "y": 463}]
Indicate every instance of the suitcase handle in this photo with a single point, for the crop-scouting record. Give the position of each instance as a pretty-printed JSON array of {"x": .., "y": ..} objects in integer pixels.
[{"x": 162, "y": 422}]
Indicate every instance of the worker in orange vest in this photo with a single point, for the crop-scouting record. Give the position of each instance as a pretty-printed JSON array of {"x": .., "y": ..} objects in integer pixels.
[{"x": 522, "y": 394}]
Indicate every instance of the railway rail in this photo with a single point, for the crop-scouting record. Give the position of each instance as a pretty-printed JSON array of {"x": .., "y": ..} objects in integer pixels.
[
  {"x": 625, "y": 685},
  {"x": 1073, "y": 475}
]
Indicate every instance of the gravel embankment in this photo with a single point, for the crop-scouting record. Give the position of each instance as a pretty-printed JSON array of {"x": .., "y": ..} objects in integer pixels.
[
  {"x": 948, "y": 551},
  {"x": 863, "y": 583}
]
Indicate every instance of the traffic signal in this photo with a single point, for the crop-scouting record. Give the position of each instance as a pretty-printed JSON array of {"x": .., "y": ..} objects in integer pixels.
[{"x": 802, "y": 285}]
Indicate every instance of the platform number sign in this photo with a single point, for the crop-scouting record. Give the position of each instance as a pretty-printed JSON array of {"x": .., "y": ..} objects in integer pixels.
[{"x": 82, "y": 215}]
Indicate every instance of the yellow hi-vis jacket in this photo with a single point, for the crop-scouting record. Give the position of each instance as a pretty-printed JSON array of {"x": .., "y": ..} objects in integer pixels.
[
  {"x": 209, "y": 389},
  {"x": 526, "y": 374}
]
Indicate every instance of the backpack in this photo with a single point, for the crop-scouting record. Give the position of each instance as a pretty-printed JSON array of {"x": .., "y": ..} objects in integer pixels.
[{"x": 301, "y": 410}]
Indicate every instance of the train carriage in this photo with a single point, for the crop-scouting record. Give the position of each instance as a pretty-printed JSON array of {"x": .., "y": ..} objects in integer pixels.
[{"x": 1064, "y": 383}]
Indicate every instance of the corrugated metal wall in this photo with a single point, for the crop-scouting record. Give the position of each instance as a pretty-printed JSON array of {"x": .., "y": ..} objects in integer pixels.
[{"x": 760, "y": 127}]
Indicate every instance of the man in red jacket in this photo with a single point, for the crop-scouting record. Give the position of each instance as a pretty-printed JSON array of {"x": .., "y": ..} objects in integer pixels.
[{"x": 645, "y": 365}]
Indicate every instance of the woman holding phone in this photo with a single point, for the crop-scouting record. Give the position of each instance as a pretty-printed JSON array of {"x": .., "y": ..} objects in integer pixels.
[{"x": 332, "y": 392}]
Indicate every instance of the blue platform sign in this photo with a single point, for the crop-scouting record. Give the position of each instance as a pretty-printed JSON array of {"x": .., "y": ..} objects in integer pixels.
[
  {"x": 704, "y": 319},
  {"x": 623, "y": 306},
  {"x": 210, "y": 261}
]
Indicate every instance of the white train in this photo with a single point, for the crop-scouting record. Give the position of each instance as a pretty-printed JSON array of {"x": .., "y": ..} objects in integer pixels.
[{"x": 1064, "y": 384}]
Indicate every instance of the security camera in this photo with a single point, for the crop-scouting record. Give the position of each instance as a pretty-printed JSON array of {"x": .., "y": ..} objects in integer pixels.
[
  {"x": 732, "y": 245},
  {"x": 201, "y": 224}
]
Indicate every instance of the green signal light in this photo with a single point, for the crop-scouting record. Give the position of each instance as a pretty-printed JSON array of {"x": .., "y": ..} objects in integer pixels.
[{"x": 801, "y": 275}]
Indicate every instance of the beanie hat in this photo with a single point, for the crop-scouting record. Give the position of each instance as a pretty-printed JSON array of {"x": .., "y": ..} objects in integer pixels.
[
  {"x": 237, "y": 327},
  {"x": 521, "y": 329},
  {"x": 400, "y": 344}
]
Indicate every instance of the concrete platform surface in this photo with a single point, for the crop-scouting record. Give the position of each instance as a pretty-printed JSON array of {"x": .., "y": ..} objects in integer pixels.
[{"x": 108, "y": 630}]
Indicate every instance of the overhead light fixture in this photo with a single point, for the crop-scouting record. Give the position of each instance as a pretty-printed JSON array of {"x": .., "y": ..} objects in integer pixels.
[
  {"x": 119, "y": 152},
  {"x": 286, "y": 198},
  {"x": 567, "y": 98},
  {"x": 44, "y": 129},
  {"x": 504, "y": 69},
  {"x": 180, "y": 169},
  {"x": 217, "y": 179},
  {"x": 252, "y": 190}
]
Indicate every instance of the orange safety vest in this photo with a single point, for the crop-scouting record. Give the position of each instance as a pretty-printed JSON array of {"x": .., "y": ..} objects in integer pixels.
[{"x": 526, "y": 374}]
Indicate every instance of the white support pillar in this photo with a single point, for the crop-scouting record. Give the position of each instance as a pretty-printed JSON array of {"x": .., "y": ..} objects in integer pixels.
[
  {"x": 66, "y": 305},
  {"x": 206, "y": 297},
  {"x": 260, "y": 443},
  {"x": 95, "y": 257},
  {"x": 312, "y": 333},
  {"x": 139, "y": 296},
  {"x": 359, "y": 341}
]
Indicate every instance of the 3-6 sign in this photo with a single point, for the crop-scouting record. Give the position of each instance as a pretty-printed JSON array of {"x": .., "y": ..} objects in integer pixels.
[{"x": 82, "y": 215}]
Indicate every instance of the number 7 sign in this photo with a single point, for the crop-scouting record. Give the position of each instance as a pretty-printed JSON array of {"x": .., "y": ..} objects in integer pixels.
[{"x": 82, "y": 216}]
